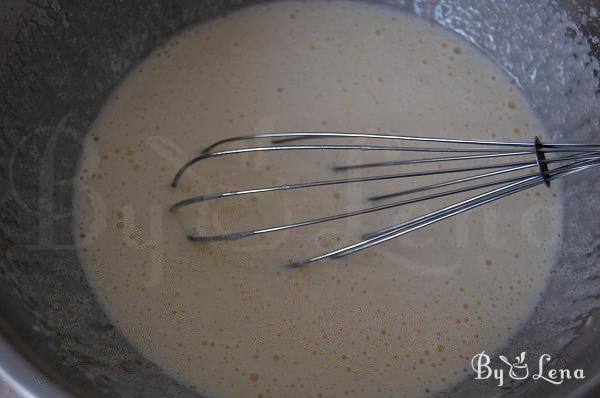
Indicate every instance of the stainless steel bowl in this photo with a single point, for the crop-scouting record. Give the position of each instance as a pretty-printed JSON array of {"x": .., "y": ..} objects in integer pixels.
[{"x": 60, "y": 59}]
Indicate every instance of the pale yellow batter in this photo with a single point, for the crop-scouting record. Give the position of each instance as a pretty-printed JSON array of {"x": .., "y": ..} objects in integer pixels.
[{"x": 401, "y": 319}]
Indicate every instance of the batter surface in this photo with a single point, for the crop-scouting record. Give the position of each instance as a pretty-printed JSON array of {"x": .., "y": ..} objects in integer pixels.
[{"x": 228, "y": 319}]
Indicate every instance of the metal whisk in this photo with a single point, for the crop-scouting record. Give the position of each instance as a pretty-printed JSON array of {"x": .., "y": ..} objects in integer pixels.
[{"x": 529, "y": 164}]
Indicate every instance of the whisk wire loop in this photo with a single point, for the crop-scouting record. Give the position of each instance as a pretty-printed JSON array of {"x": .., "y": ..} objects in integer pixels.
[{"x": 539, "y": 163}]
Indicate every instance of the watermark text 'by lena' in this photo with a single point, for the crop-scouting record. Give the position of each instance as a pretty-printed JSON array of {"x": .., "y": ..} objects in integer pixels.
[{"x": 520, "y": 370}]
